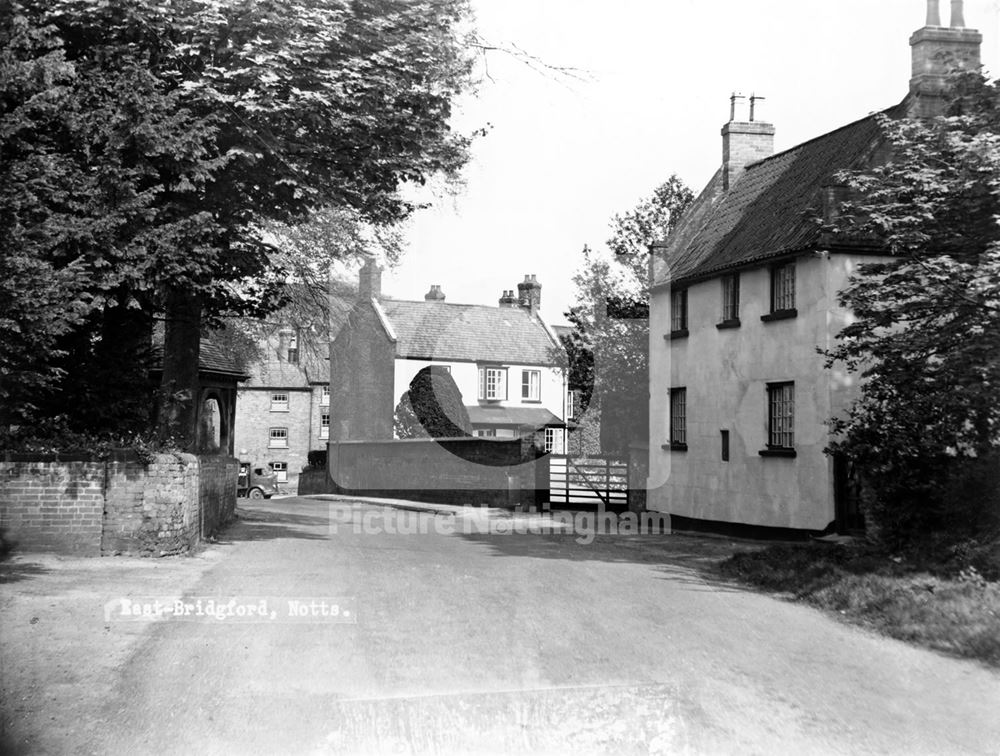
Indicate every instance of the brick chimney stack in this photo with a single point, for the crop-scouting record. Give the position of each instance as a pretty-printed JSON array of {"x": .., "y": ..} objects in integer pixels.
[
  {"x": 938, "y": 51},
  {"x": 507, "y": 299},
  {"x": 370, "y": 280},
  {"x": 529, "y": 294},
  {"x": 435, "y": 294},
  {"x": 744, "y": 141}
]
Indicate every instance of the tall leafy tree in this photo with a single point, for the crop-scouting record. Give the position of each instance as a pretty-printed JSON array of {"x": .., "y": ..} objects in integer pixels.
[
  {"x": 611, "y": 318},
  {"x": 926, "y": 330},
  {"x": 172, "y": 133}
]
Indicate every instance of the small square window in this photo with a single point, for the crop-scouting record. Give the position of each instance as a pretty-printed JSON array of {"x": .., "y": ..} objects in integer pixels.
[
  {"x": 279, "y": 402},
  {"x": 278, "y": 438}
]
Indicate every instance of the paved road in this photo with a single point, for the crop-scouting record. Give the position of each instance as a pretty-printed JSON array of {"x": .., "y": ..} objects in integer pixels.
[{"x": 520, "y": 643}]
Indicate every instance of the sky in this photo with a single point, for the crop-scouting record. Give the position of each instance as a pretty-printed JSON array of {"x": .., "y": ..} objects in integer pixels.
[{"x": 564, "y": 155}]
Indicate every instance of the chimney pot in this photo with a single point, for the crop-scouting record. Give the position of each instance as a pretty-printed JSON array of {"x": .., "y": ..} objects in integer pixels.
[
  {"x": 957, "y": 14},
  {"x": 933, "y": 13},
  {"x": 744, "y": 142},
  {"x": 530, "y": 293},
  {"x": 936, "y": 52},
  {"x": 435, "y": 294}
]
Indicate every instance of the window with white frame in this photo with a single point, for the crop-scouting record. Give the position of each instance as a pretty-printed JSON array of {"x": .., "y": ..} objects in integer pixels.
[
  {"x": 324, "y": 396},
  {"x": 278, "y": 438},
  {"x": 281, "y": 471},
  {"x": 485, "y": 433},
  {"x": 678, "y": 418},
  {"x": 293, "y": 349},
  {"x": 731, "y": 298},
  {"x": 783, "y": 287},
  {"x": 279, "y": 401},
  {"x": 492, "y": 383},
  {"x": 324, "y": 425},
  {"x": 554, "y": 440},
  {"x": 781, "y": 415},
  {"x": 570, "y": 404},
  {"x": 531, "y": 385}
]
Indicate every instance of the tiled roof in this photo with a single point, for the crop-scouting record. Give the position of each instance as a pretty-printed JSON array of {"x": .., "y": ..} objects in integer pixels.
[
  {"x": 212, "y": 358},
  {"x": 771, "y": 209},
  {"x": 473, "y": 333},
  {"x": 531, "y": 417}
]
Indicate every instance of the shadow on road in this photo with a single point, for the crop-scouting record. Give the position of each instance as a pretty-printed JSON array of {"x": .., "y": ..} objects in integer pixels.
[
  {"x": 257, "y": 523},
  {"x": 12, "y": 572},
  {"x": 687, "y": 559}
]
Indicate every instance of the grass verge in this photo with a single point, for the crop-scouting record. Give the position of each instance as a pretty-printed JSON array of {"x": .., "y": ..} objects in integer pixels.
[{"x": 955, "y": 612}]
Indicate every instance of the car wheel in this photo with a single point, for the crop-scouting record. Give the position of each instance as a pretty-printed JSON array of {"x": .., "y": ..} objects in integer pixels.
[{"x": 256, "y": 493}]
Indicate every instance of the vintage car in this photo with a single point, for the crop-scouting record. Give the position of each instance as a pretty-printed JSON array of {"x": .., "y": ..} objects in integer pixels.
[{"x": 256, "y": 482}]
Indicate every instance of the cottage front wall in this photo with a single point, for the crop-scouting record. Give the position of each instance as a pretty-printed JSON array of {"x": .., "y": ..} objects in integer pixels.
[
  {"x": 726, "y": 373},
  {"x": 466, "y": 377}
]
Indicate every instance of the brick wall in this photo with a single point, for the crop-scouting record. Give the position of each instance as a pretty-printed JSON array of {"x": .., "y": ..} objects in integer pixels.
[
  {"x": 254, "y": 419},
  {"x": 476, "y": 471},
  {"x": 362, "y": 360},
  {"x": 116, "y": 507},
  {"x": 53, "y": 506}
]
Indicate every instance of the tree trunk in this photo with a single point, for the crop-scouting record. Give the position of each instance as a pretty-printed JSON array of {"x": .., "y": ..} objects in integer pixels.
[{"x": 178, "y": 410}]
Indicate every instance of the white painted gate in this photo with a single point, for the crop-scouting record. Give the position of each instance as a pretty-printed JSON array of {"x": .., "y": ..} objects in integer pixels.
[{"x": 587, "y": 482}]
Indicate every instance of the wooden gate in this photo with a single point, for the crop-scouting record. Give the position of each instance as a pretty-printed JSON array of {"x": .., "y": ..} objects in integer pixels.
[{"x": 587, "y": 482}]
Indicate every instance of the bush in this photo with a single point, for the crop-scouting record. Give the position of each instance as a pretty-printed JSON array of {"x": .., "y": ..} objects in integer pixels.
[
  {"x": 432, "y": 407},
  {"x": 317, "y": 458}
]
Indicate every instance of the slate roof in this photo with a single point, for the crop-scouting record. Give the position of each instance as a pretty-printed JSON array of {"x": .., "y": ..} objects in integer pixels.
[
  {"x": 211, "y": 359},
  {"x": 531, "y": 417},
  {"x": 771, "y": 209},
  {"x": 470, "y": 333}
]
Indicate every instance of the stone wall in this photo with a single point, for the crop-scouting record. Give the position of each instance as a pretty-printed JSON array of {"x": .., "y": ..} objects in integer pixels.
[
  {"x": 120, "y": 506},
  {"x": 470, "y": 471}
]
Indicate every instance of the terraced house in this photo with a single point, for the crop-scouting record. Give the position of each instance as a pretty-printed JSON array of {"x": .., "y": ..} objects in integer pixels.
[
  {"x": 283, "y": 410},
  {"x": 745, "y": 296}
]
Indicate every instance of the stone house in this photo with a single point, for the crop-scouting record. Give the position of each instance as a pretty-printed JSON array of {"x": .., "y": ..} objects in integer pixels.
[
  {"x": 505, "y": 360},
  {"x": 745, "y": 296},
  {"x": 283, "y": 409}
]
